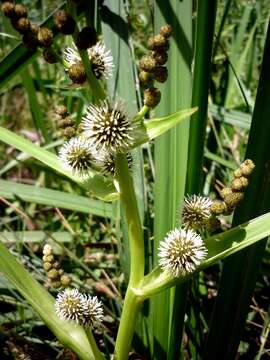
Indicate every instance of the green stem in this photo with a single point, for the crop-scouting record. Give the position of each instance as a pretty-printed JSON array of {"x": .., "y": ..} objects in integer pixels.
[
  {"x": 127, "y": 325},
  {"x": 141, "y": 113},
  {"x": 129, "y": 203},
  {"x": 96, "y": 355},
  {"x": 132, "y": 302}
]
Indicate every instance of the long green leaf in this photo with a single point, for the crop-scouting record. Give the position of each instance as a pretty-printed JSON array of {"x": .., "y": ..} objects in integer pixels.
[
  {"x": 54, "y": 198},
  {"x": 170, "y": 167},
  {"x": 42, "y": 302},
  {"x": 240, "y": 271}
]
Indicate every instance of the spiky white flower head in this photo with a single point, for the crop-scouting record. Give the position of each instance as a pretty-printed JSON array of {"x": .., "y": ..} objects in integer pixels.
[
  {"x": 94, "y": 315},
  {"x": 78, "y": 155},
  {"x": 85, "y": 310},
  {"x": 108, "y": 127},
  {"x": 101, "y": 60},
  {"x": 196, "y": 211},
  {"x": 181, "y": 252},
  {"x": 70, "y": 305}
]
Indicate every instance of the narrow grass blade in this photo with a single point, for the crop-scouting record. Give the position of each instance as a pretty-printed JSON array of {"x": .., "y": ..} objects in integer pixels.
[
  {"x": 240, "y": 271},
  {"x": 42, "y": 302},
  {"x": 170, "y": 166},
  {"x": 11, "y": 190}
]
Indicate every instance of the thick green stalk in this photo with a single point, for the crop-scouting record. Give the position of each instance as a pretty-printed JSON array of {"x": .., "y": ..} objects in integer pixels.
[
  {"x": 126, "y": 330},
  {"x": 135, "y": 233},
  {"x": 240, "y": 271},
  {"x": 202, "y": 67},
  {"x": 131, "y": 303}
]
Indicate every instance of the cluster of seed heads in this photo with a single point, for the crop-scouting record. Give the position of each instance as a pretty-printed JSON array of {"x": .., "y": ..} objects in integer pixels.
[
  {"x": 233, "y": 194},
  {"x": 83, "y": 309},
  {"x": 199, "y": 212},
  {"x": 152, "y": 65},
  {"x": 55, "y": 273},
  {"x": 33, "y": 35},
  {"x": 65, "y": 122}
]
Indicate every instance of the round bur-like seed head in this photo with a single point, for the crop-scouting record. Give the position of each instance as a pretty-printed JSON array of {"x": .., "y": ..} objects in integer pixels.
[
  {"x": 166, "y": 30},
  {"x": 23, "y": 25},
  {"x": 152, "y": 97},
  {"x": 69, "y": 132},
  {"x": 65, "y": 280},
  {"x": 8, "y": 9},
  {"x": 247, "y": 167},
  {"x": 20, "y": 11},
  {"x": 45, "y": 37},
  {"x": 218, "y": 207},
  {"x": 87, "y": 37},
  {"x": 147, "y": 63},
  {"x": 145, "y": 77},
  {"x": 77, "y": 73},
  {"x": 161, "y": 74},
  {"x": 61, "y": 110},
  {"x": 236, "y": 185},
  {"x": 157, "y": 42},
  {"x": 181, "y": 252},
  {"x": 225, "y": 191},
  {"x": 233, "y": 199},
  {"x": 196, "y": 211},
  {"x": 160, "y": 56},
  {"x": 53, "y": 274},
  {"x": 64, "y": 22}
]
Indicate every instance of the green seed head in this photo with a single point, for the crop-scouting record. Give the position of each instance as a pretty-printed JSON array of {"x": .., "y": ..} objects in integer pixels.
[
  {"x": 161, "y": 74},
  {"x": 8, "y": 9},
  {"x": 145, "y": 77},
  {"x": 77, "y": 73},
  {"x": 64, "y": 22},
  {"x": 237, "y": 173},
  {"x": 20, "y": 11},
  {"x": 237, "y": 185},
  {"x": 53, "y": 274},
  {"x": 157, "y": 42},
  {"x": 166, "y": 30},
  {"x": 218, "y": 207},
  {"x": 47, "y": 266},
  {"x": 247, "y": 167},
  {"x": 147, "y": 63},
  {"x": 56, "y": 284},
  {"x": 152, "y": 97},
  {"x": 45, "y": 37},
  {"x": 160, "y": 56},
  {"x": 65, "y": 280},
  {"x": 225, "y": 191},
  {"x": 233, "y": 199}
]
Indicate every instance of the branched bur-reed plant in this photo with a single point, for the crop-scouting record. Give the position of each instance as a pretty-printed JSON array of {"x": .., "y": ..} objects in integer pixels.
[{"x": 97, "y": 155}]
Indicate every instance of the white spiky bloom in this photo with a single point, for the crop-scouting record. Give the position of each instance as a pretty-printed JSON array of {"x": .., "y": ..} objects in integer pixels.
[
  {"x": 78, "y": 155},
  {"x": 196, "y": 211},
  {"x": 94, "y": 315},
  {"x": 101, "y": 59},
  {"x": 181, "y": 252},
  {"x": 85, "y": 310},
  {"x": 70, "y": 305},
  {"x": 108, "y": 127}
]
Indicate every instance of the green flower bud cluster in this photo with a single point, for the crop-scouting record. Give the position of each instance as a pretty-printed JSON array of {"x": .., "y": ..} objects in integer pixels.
[
  {"x": 233, "y": 194},
  {"x": 152, "y": 65},
  {"x": 55, "y": 273},
  {"x": 65, "y": 122},
  {"x": 33, "y": 36}
]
